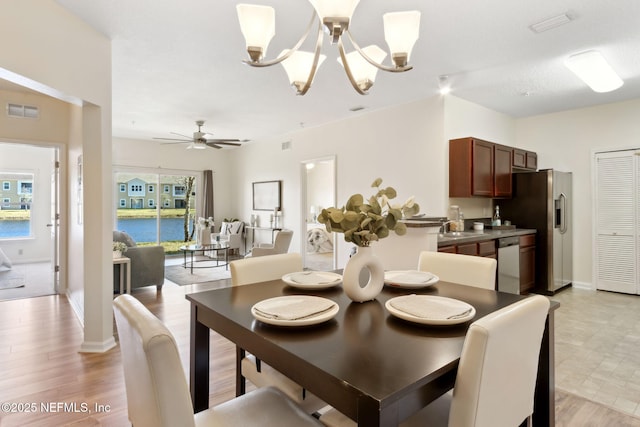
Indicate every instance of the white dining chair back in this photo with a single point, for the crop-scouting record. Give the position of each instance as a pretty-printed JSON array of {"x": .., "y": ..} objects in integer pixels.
[
  {"x": 496, "y": 378},
  {"x": 157, "y": 390},
  {"x": 462, "y": 269},
  {"x": 261, "y": 269}
]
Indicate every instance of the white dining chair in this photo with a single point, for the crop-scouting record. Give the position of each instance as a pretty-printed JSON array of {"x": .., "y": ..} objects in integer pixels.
[
  {"x": 496, "y": 378},
  {"x": 157, "y": 390},
  {"x": 261, "y": 269},
  {"x": 462, "y": 269}
]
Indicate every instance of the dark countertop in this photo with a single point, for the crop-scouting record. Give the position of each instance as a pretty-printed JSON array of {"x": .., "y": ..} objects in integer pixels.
[{"x": 480, "y": 236}]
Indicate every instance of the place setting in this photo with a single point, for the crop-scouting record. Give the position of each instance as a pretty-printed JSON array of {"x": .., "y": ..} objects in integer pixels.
[
  {"x": 312, "y": 280},
  {"x": 409, "y": 279},
  {"x": 430, "y": 309},
  {"x": 295, "y": 310}
]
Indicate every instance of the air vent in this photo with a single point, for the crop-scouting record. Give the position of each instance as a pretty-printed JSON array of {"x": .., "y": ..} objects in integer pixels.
[
  {"x": 22, "y": 111},
  {"x": 286, "y": 145},
  {"x": 550, "y": 23}
]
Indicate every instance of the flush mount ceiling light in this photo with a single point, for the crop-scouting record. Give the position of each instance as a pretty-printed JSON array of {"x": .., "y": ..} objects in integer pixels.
[
  {"x": 594, "y": 70},
  {"x": 400, "y": 30}
]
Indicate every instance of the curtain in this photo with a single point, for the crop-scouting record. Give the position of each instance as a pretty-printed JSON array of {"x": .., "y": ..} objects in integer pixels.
[{"x": 207, "y": 194}]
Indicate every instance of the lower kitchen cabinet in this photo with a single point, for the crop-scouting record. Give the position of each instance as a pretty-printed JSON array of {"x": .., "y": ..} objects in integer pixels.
[{"x": 527, "y": 263}]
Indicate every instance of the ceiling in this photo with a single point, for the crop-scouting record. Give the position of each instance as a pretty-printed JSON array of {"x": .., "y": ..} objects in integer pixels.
[{"x": 177, "y": 61}]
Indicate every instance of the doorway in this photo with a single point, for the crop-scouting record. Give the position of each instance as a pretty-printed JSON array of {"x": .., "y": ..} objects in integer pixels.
[
  {"x": 29, "y": 220},
  {"x": 318, "y": 177}
]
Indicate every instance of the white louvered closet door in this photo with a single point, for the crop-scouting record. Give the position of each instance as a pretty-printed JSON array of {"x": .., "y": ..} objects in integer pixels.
[{"x": 617, "y": 221}]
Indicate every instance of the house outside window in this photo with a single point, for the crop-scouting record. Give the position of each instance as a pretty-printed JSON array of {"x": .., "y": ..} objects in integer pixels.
[
  {"x": 151, "y": 188},
  {"x": 151, "y": 203},
  {"x": 166, "y": 188},
  {"x": 123, "y": 188},
  {"x": 25, "y": 187},
  {"x": 166, "y": 203},
  {"x": 6, "y": 203},
  {"x": 136, "y": 188},
  {"x": 123, "y": 203},
  {"x": 6, "y": 186}
]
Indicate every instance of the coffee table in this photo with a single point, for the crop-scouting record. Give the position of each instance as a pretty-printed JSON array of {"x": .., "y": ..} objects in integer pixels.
[{"x": 216, "y": 247}]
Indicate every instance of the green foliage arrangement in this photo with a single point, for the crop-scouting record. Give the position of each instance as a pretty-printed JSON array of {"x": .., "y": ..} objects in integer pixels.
[
  {"x": 119, "y": 246},
  {"x": 363, "y": 223}
]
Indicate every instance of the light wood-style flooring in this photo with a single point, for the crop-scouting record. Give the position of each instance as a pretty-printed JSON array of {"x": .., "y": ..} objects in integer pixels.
[{"x": 40, "y": 364}]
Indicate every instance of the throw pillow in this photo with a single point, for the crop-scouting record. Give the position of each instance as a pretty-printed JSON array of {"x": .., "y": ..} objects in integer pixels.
[
  {"x": 4, "y": 260},
  {"x": 121, "y": 236}
]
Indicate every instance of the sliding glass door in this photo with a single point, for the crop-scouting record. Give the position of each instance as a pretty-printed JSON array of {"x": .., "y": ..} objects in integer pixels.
[{"x": 156, "y": 208}]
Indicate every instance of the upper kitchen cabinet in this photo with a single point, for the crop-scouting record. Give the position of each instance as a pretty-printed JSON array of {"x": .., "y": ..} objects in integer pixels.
[
  {"x": 523, "y": 159},
  {"x": 470, "y": 168},
  {"x": 479, "y": 168},
  {"x": 502, "y": 170}
]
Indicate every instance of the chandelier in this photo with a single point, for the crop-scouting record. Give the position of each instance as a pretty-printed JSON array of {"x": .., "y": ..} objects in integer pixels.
[{"x": 257, "y": 24}]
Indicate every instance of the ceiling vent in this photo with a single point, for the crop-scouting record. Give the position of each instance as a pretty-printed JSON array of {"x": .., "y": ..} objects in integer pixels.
[
  {"x": 286, "y": 145},
  {"x": 550, "y": 23},
  {"x": 22, "y": 111}
]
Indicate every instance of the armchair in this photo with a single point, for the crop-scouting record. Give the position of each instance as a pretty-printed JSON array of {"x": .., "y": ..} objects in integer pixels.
[
  {"x": 147, "y": 263},
  {"x": 232, "y": 233},
  {"x": 280, "y": 245}
]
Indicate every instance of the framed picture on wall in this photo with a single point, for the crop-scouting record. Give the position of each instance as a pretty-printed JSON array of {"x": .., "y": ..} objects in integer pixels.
[{"x": 267, "y": 195}]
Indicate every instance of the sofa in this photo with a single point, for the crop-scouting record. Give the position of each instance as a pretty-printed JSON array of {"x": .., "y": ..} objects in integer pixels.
[{"x": 147, "y": 263}]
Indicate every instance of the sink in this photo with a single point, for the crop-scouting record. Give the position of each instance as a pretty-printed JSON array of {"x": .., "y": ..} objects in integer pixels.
[{"x": 454, "y": 234}]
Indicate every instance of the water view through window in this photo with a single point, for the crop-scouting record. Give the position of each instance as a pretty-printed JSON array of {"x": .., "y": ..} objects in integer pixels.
[
  {"x": 16, "y": 198},
  {"x": 151, "y": 216}
]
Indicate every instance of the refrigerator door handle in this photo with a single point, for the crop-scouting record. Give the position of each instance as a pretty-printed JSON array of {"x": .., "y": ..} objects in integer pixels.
[{"x": 563, "y": 213}]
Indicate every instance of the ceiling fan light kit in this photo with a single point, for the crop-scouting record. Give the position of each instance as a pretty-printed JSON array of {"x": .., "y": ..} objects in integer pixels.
[{"x": 401, "y": 30}]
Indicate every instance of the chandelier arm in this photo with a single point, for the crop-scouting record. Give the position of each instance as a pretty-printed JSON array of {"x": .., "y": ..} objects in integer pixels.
[
  {"x": 374, "y": 63},
  {"x": 347, "y": 69},
  {"x": 290, "y": 52},
  {"x": 316, "y": 58}
]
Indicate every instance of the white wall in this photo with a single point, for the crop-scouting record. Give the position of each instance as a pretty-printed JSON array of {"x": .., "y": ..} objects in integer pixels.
[
  {"x": 65, "y": 58},
  {"x": 566, "y": 141},
  {"x": 403, "y": 145}
]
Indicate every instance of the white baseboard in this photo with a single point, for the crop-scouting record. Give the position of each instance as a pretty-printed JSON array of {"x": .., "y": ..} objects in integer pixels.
[
  {"x": 583, "y": 285},
  {"x": 97, "y": 347}
]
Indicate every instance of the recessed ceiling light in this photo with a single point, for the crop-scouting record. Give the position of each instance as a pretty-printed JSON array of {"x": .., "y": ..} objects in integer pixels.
[
  {"x": 594, "y": 70},
  {"x": 550, "y": 23}
]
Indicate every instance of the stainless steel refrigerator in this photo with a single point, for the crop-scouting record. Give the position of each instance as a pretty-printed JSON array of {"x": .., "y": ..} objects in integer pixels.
[{"x": 542, "y": 200}]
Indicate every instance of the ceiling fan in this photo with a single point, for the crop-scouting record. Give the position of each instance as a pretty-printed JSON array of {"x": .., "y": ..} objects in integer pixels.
[{"x": 199, "y": 140}]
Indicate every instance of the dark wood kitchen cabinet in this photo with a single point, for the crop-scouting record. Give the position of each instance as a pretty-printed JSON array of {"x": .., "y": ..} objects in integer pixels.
[
  {"x": 470, "y": 167},
  {"x": 525, "y": 160},
  {"x": 527, "y": 263},
  {"x": 502, "y": 161}
]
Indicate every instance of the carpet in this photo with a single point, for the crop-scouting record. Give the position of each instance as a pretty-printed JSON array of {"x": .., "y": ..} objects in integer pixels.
[
  {"x": 10, "y": 279},
  {"x": 182, "y": 276}
]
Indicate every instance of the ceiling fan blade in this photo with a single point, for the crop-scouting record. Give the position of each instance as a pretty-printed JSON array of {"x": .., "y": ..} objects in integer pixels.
[
  {"x": 213, "y": 145},
  {"x": 174, "y": 139},
  {"x": 189, "y": 137},
  {"x": 224, "y": 142}
]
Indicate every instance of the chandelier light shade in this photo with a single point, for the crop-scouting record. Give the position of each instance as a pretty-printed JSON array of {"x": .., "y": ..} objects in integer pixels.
[
  {"x": 363, "y": 72},
  {"x": 298, "y": 65},
  {"x": 401, "y": 30},
  {"x": 594, "y": 70},
  {"x": 258, "y": 26}
]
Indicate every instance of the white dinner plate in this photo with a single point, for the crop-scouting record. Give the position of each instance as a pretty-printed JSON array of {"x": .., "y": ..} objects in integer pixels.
[
  {"x": 312, "y": 280},
  {"x": 305, "y": 300},
  {"x": 437, "y": 303},
  {"x": 410, "y": 279}
]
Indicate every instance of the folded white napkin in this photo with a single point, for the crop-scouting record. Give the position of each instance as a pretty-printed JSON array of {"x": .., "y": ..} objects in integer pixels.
[
  {"x": 293, "y": 307},
  {"x": 430, "y": 307},
  {"x": 312, "y": 278},
  {"x": 408, "y": 276}
]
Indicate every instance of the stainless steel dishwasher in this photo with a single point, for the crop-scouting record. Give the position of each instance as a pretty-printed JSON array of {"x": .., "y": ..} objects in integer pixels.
[{"x": 509, "y": 265}]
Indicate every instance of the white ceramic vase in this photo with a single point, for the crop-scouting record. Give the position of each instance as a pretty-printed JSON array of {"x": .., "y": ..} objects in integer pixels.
[
  {"x": 363, "y": 260},
  {"x": 117, "y": 254},
  {"x": 205, "y": 236}
]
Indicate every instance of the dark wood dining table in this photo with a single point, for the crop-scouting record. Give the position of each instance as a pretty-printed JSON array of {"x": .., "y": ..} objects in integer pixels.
[{"x": 376, "y": 369}]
